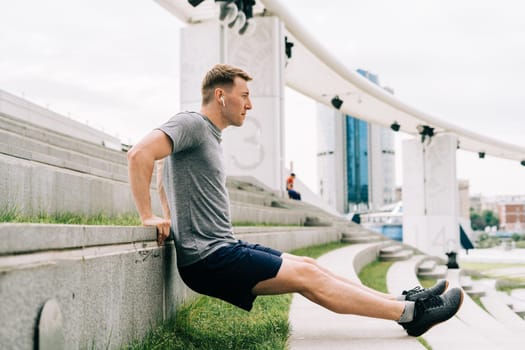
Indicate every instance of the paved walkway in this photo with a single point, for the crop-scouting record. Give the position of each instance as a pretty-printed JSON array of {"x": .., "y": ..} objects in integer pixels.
[
  {"x": 493, "y": 255},
  {"x": 315, "y": 328}
]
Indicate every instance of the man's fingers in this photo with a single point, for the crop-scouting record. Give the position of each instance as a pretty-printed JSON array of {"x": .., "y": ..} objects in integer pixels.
[{"x": 163, "y": 231}]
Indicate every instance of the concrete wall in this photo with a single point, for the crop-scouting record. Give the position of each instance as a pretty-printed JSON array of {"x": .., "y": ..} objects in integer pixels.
[{"x": 111, "y": 283}]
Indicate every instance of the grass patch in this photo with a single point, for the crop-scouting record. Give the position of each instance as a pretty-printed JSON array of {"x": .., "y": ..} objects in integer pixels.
[
  {"x": 373, "y": 275},
  {"x": 427, "y": 282},
  {"x": 13, "y": 216},
  {"x": 508, "y": 284},
  {"x": 424, "y": 343},
  {"x": 318, "y": 250},
  {"x": 210, "y": 324}
]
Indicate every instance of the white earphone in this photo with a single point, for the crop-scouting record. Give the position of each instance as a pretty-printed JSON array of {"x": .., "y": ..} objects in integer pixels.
[{"x": 223, "y": 103}]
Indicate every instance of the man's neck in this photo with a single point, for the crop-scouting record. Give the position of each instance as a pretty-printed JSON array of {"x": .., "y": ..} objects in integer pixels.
[{"x": 214, "y": 116}]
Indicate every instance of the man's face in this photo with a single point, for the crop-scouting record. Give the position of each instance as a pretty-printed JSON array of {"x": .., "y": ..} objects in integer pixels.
[{"x": 236, "y": 102}]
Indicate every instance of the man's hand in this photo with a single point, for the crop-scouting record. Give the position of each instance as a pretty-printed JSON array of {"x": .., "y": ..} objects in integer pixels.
[{"x": 162, "y": 225}]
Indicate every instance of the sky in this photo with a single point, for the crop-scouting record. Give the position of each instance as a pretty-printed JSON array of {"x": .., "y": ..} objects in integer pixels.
[{"x": 115, "y": 66}]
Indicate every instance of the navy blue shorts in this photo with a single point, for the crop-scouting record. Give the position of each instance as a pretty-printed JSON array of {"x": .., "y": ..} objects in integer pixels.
[{"x": 231, "y": 272}]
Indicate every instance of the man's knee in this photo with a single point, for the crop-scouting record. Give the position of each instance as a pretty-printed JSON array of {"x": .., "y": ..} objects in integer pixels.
[
  {"x": 309, "y": 260},
  {"x": 311, "y": 275}
]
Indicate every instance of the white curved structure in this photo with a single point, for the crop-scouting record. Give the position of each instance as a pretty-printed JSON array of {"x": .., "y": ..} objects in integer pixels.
[{"x": 327, "y": 77}]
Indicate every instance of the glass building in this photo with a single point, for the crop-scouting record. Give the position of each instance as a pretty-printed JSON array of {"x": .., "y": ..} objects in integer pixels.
[{"x": 356, "y": 160}]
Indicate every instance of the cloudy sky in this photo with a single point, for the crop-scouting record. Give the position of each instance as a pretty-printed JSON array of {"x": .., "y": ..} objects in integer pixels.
[{"x": 114, "y": 65}]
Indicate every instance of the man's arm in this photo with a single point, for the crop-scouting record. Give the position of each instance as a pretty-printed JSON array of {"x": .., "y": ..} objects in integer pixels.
[
  {"x": 141, "y": 160},
  {"x": 161, "y": 190}
]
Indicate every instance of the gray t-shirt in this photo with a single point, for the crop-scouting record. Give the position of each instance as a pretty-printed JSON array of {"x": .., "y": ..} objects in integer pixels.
[{"x": 195, "y": 183}]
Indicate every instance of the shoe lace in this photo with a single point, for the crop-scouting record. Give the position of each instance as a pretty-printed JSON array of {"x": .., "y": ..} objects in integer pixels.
[
  {"x": 429, "y": 303},
  {"x": 413, "y": 291}
]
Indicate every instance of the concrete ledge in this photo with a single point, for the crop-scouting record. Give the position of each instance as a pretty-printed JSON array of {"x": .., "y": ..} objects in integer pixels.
[
  {"x": 111, "y": 283},
  {"x": 365, "y": 255},
  {"x": 108, "y": 295},
  {"x": 24, "y": 238}
]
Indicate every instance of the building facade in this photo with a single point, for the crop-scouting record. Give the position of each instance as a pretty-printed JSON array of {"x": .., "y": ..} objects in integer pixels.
[{"x": 512, "y": 217}]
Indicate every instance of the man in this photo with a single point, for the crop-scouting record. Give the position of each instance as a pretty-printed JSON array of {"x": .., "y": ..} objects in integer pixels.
[
  {"x": 292, "y": 193},
  {"x": 209, "y": 258}
]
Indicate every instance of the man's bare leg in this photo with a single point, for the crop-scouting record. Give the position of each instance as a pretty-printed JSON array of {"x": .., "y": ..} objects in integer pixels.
[
  {"x": 296, "y": 276},
  {"x": 340, "y": 278}
]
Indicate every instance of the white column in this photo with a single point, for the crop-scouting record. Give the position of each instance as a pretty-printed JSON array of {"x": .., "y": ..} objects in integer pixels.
[
  {"x": 430, "y": 195},
  {"x": 257, "y": 148}
]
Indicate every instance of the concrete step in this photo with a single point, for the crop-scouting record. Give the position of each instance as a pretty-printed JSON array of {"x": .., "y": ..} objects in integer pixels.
[
  {"x": 358, "y": 232},
  {"x": 391, "y": 249},
  {"x": 50, "y": 137},
  {"x": 255, "y": 214},
  {"x": 427, "y": 266},
  {"x": 440, "y": 271},
  {"x": 476, "y": 292},
  {"x": 404, "y": 254},
  {"x": 503, "y": 313},
  {"x": 36, "y": 187},
  {"x": 249, "y": 197},
  {"x": 22, "y": 147},
  {"x": 358, "y": 239}
]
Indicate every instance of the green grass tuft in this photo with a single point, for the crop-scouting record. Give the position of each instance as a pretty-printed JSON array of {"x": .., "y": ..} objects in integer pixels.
[
  {"x": 318, "y": 250},
  {"x": 12, "y": 215},
  {"x": 424, "y": 343},
  {"x": 373, "y": 275}
]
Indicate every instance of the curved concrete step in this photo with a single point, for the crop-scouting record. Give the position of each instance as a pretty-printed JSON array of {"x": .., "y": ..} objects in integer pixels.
[
  {"x": 391, "y": 249},
  {"x": 404, "y": 254},
  {"x": 360, "y": 239},
  {"x": 427, "y": 266}
]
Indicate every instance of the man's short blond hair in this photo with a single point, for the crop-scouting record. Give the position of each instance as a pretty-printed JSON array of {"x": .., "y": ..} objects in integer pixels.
[{"x": 221, "y": 75}]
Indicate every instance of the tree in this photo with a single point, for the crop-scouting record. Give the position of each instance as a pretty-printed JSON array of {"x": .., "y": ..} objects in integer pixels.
[
  {"x": 491, "y": 219},
  {"x": 480, "y": 221},
  {"x": 476, "y": 221}
]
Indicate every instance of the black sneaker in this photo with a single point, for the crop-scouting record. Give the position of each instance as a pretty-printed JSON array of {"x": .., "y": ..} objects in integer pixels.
[
  {"x": 422, "y": 293},
  {"x": 433, "y": 310}
]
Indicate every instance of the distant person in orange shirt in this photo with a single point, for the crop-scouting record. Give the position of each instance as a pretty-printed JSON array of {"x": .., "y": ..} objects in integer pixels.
[{"x": 292, "y": 194}]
